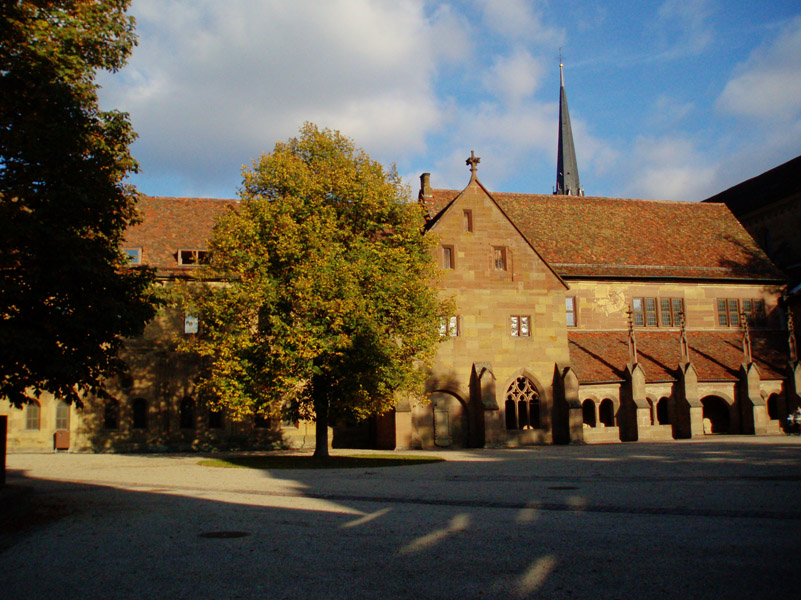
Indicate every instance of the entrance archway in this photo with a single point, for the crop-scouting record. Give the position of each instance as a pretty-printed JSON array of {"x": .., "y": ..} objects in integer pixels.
[
  {"x": 716, "y": 414},
  {"x": 588, "y": 412},
  {"x": 773, "y": 407}
]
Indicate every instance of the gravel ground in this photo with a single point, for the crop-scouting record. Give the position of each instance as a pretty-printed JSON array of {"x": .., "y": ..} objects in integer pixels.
[{"x": 713, "y": 518}]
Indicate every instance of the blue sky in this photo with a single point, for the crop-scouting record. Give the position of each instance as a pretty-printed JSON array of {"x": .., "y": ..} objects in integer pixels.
[{"x": 674, "y": 100}]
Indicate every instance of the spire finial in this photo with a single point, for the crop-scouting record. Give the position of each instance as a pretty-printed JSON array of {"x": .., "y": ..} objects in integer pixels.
[
  {"x": 633, "y": 358},
  {"x": 472, "y": 162},
  {"x": 746, "y": 339},
  {"x": 567, "y": 177},
  {"x": 685, "y": 345},
  {"x": 561, "y": 71}
]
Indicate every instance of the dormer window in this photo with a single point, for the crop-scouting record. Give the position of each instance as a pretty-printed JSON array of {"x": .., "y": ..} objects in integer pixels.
[
  {"x": 134, "y": 255},
  {"x": 193, "y": 258}
]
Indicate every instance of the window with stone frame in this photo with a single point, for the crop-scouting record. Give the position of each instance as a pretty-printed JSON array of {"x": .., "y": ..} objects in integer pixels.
[
  {"x": 570, "y": 311},
  {"x": 671, "y": 310},
  {"x": 468, "y": 220},
  {"x": 499, "y": 258},
  {"x": 728, "y": 312},
  {"x": 644, "y": 312},
  {"x": 62, "y": 415},
  {"x": 33, "y": 414},
  {"x": 520, "y": 325},
  {"x": 134, "y": 255},
  {"x": 449, "y": 326},
  {"x": 754, "y": 311},
  {"x": 448, "y": 257}
]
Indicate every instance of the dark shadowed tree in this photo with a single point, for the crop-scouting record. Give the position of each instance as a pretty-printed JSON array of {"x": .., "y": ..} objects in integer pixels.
[
  {"x": 67, "y": 297},
  {"x": 330, "y": 310}
]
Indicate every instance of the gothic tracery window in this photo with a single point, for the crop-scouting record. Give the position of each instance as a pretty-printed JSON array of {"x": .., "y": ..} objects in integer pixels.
[{"x": 522, "y": 405}]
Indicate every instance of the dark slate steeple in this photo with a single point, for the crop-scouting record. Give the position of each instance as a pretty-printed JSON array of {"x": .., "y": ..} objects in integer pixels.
[{"x": 567, "y": 177}]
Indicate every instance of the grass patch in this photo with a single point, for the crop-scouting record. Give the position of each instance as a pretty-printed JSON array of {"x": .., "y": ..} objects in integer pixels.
[{"x": 294, "y": 461}]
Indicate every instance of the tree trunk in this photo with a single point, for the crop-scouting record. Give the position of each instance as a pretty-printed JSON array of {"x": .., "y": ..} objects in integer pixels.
[{"x": 320, "y": 425}]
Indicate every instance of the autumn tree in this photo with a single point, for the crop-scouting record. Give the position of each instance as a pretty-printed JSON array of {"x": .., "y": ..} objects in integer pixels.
[
  {"x": 67, "y": 298},
  {"x": 329, "y": 309}
]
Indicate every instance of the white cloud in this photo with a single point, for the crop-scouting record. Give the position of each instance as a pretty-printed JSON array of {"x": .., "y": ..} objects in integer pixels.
[
  {"x": 669, "y": 168},
  {"x": 768, "y": 84},
  {"x": 518, "y": 19},
  {"x": 514, "y": 78},
  {"x": 669, "y": 112},
  {"x": 212, "y": 85}
]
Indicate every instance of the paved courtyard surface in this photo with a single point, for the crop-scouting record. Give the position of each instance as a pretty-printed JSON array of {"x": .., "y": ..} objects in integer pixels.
[{"x": 713, "y": 518}]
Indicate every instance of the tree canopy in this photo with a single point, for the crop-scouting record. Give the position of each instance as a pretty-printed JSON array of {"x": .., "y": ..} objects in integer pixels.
[
  {"x": 67, "y": 296},
  {"x": 330, "y": 309}
]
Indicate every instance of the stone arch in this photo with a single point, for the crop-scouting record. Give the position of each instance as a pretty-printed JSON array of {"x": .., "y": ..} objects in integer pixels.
[
  {"x": 606, "y": 412},
  {"x": 450, "y": 418},
  {"x": 588, "y": 412},
  {"x": 663, "y": 411},
  {"x": 716, "y": 413},
  {"x": 523, "y": 402},
  {"x": 773, "y": 407}
]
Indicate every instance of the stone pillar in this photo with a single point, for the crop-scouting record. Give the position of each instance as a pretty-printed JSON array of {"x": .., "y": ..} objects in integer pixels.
[
  {"x": 485, "y": 424},
  {"x": 689, "y": 413},
  {"x": 567, "y": 417},
  {"x": 753, "y": 410},
  {"x": 634, "y": 405}
]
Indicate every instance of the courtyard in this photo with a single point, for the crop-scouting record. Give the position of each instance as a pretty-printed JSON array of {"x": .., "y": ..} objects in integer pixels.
[{"x": 717, "y": 517}]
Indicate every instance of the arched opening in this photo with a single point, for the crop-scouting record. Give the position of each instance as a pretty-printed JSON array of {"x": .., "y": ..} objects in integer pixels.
[
  {"x": 511, "y": 414},
  {"x": 588, "y": 412},
  {"x": 216, "y": 419},
  {"x": 62, "y": 416},
  {"x": 716, "y": 414},
  {"x": 773, "y": 407},
  {"x": 606, "y": 412},
  {"x": 139, "y": 406},
  {"x": 662, "y": 412},
  {"x": 33, "y": 415},
  {"x": 450, "y": 420},
  {"x": 523, "y": 395},
  {"x": 187, "y": 413},
  {"x": 111, "y": 415}
]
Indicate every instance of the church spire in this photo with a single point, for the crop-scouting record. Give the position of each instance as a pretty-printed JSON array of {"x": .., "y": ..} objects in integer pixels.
[{"x": 567, "y": 177}]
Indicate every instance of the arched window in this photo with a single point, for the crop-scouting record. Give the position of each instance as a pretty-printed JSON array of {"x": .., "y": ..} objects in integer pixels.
[
  {"x": 662, "y": 412},
  {"x": 139, "y": 406},
  {"x": 606, "y": 412},
  {"x": 33, "y": 415},
  {"x": 187, "y": 413},
  {"x": 62, "y": 415},
  {"x": 588, "y": 412},
  {"x": 716, "y": 411},
  {"x": 523, "y": 396},
  {"x": 111, "y": 415}
]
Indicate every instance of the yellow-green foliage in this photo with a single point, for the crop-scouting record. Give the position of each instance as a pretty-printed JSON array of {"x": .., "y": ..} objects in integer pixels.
[{"x": 330, "y": 296}]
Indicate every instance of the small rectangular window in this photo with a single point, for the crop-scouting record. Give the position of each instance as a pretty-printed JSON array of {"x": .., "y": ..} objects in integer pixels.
[
  {"x": 670, "y": 310},
  {"x": 193, "y": 258},
  {"x": 468, "y": 220},
  {"x": 723, "y": 315},
  {"x": 677, "y": 310},
  {"x": 447, "y": 257},
  {"x": 734, "y": 313},
  {"x": 190, "y": 324},
  {"x": 499, "y": 258},
  {"x": 134, "y": 255},
  {"x": 449, "y": 326},
  {"x": 520, "y": 325},
  {"x": 570, "y": 310}
]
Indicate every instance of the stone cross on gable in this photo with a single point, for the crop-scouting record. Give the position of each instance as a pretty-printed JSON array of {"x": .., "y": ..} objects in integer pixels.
[{"x": 472, "y": 162}]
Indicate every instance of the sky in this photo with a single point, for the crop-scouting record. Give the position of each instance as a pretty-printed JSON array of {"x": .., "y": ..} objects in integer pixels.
[{"x": 672, "y": 100}]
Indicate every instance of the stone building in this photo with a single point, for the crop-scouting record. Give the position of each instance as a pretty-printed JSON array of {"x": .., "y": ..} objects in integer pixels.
[{"x": 578, "y": 319}]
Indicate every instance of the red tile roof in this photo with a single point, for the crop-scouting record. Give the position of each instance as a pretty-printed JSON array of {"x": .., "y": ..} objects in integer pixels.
[
  {"x": 618, "y": 238},
  {"x": 170, "y": 224},
  {"x": 602, "y": 356}
]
